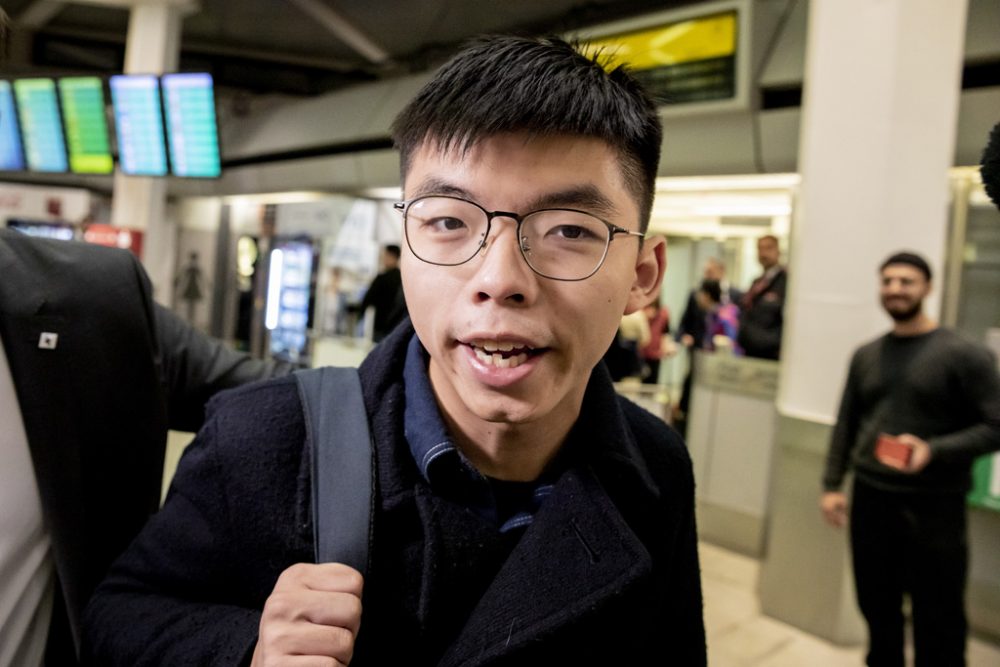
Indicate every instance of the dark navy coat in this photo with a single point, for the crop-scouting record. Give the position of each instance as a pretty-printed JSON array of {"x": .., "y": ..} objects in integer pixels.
[{"x": 606, "y": 574}]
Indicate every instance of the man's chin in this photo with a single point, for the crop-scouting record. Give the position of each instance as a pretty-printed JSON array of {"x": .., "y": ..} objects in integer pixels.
[{"x": 902, "y": 315}]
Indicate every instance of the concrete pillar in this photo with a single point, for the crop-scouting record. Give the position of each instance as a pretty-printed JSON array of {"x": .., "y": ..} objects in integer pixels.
[
  {"x": 153, "y": 47},
  {"x": 880, "y": 109}
]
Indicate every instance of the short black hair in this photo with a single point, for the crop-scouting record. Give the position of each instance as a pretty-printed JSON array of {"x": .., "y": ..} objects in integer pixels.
[
  {"x": 713, "y": 289},
  {"x": 989, "y": 169},
  {"x": 393, "y": 250},
  {"x": 541, "y": 86},
  {"x": 911, "y": 258}
]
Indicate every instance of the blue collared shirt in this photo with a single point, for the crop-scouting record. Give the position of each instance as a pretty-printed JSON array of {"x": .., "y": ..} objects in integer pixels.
[{"x": 510, "y": 505}]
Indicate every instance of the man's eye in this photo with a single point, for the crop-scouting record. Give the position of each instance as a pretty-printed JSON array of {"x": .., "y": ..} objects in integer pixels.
[
  {"x": 571, "y": 232},
  {"x": 445, "y": 224}
]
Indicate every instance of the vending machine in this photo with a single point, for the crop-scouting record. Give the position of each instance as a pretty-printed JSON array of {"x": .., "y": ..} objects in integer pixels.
[{"x": 289, "y": 299}]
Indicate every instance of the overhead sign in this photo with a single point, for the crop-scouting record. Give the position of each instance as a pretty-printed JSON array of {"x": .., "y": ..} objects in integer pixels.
[
  {"x": 86, "y": 126},
  {"x": 687, "y": 61},
  {"x": 44, "y": 146},
  {"x": 691, "y": 59},
  {"x": 139, "y": 125},
  {"x": 193, "y": 138},
  {"x": 11, "y": 158}
]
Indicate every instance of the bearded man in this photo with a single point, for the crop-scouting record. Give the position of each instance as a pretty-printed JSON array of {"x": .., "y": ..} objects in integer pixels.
[{"x": 920, "y": 404}]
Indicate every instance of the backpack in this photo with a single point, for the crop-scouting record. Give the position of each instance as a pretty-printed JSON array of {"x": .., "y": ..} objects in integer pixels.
[{"x": 343, "y": 479}]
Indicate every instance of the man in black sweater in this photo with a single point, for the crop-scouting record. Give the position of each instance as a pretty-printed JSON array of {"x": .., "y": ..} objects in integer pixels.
[{"x": 920, "y": 404}]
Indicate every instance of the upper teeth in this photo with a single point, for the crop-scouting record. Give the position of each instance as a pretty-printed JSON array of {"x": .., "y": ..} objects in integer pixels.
[{"x": 497, "y": 346}]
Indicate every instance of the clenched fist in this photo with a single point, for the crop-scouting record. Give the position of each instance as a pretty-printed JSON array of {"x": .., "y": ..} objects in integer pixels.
[{"x": 311, "y": 617}]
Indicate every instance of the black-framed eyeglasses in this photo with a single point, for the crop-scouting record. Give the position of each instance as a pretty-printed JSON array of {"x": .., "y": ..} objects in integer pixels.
[{"x": 557, "y": 243}]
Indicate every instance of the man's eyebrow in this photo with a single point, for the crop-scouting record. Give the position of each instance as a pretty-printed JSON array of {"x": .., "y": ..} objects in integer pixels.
[
  {"x": 437, "y": 186},
  {"x": 584, "y": 197}
]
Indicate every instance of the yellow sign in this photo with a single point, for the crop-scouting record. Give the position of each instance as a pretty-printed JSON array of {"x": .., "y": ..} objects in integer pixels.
[{"x": 687, "y": 41}]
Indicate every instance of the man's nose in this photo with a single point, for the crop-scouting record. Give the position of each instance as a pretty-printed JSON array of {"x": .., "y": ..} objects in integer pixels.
[{"x": 502, "y": 273}]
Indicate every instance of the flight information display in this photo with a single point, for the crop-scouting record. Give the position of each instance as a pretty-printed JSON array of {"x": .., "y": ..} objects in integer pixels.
[
  {"x": 86, "y": 128},
  {"x": 44, "y": 147},
  {"x": 192, "y": 134},
  {"x": 139, "y": 124},
  {"x": 11, "y": 157}
]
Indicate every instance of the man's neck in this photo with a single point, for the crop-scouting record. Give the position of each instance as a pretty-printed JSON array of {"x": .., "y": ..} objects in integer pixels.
[{"x": 915, "y": 326}]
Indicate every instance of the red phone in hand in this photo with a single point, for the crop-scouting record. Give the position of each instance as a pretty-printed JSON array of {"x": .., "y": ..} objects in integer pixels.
[{"x": 890, "y": 451}]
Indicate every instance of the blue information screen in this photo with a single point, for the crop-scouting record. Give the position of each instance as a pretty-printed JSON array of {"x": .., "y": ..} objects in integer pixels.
[
  {"x": 44, "y": 146},
  {"x": 86, "y": 127},
  {"x": 139, "y": 124},
  {"x": 11, "y": 157},
  {"x": 192, "y": 134}
]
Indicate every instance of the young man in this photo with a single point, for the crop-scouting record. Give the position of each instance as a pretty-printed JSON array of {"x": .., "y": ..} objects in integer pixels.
[
  {"x": 525, "y": 514},
  {"x": 919, "y": 405}
]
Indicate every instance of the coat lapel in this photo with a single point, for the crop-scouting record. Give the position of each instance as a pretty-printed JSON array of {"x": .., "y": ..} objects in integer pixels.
[
  {"x": 46, "y": 387},
  {"x": 578, "y": 553}
]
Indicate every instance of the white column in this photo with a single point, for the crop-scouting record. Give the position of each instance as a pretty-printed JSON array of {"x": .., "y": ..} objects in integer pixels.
[
  {"x": 879, "y": 117},
  {"x": 153, "y": 47}
]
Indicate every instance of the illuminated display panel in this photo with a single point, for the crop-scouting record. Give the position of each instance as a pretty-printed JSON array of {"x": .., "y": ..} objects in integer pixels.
[
  {"x": 38, "y": 108},
  {"x": 86, "y": 128},
  {"x": 139, "y": 124},
  {"x": 192, "y": 134},
  {"x": 11, "y": 157}
]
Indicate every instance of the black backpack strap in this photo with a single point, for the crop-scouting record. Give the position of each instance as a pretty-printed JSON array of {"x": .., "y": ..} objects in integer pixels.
[{"x": 342, "y": 467}]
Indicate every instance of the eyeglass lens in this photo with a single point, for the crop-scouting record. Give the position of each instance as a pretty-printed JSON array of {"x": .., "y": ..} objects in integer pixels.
[{"x": 560, "y": 244}]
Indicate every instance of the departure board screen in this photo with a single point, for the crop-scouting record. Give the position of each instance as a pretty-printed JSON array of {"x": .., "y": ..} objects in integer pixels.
[
  {"x": 44, "y": 147},
  {"x": 139, "y": 124},
  {"x": 11, "y": 157},
  {"x": 86, "y": 128},
  {"x": 192, "y": 134}
]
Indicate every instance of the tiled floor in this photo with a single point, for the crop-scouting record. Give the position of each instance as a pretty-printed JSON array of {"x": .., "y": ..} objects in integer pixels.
[{"x": 740, "y": 636}]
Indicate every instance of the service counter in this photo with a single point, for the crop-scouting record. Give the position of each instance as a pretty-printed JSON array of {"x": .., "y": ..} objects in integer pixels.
[{"x": 731, "y": 434}]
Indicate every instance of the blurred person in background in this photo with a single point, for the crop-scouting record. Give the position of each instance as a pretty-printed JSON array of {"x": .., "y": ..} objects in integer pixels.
[
  {"x": 92, "y": 374},
  {"x": 623, "y": 358},
  {"x": 722, "y": 320},
  {"x": 660, "y": 344},
  {"x": 691, "y": 332},
  {"x": 920, "y": 404},
  {"x": 385, "y": 295},
  {"x": 762, "y": 317}
]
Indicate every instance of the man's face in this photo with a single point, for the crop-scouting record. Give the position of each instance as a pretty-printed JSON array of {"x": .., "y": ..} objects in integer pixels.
[
  {"x": 768, "y": 253},
  {"x": 903, "y": 289},
  {"x": 470, "y": 316},
  {"x": 713, "y": 271},
  {"x": 389, "y": 260}
]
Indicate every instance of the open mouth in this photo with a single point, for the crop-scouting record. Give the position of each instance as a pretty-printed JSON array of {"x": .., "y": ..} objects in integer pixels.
[{"x": 502, "y": 354}]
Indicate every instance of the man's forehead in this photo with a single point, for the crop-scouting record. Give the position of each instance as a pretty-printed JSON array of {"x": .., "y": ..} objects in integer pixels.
[{"x": 902, "y": 270}]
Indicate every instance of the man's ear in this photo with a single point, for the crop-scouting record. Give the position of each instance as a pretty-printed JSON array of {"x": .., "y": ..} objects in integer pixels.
[{"x": 650, "y": 267}]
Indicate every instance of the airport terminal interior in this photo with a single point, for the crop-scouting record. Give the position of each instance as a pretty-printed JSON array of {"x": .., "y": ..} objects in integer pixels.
[{"x": 242, "y": 151}]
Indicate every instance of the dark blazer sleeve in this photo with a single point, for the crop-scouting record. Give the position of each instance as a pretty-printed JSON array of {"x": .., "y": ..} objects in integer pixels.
[
  {"x": 195, "y": 367},
  {"x": 185, "y": 593}
]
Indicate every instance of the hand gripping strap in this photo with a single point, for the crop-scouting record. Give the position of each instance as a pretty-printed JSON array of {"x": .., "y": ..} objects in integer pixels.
[{"x": 342, "y": 468}]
